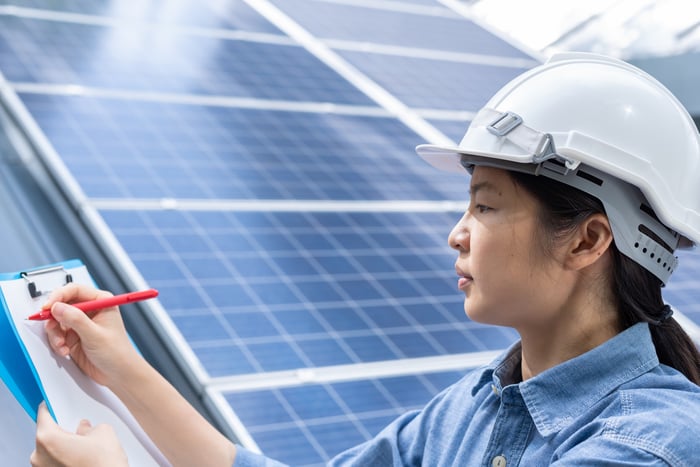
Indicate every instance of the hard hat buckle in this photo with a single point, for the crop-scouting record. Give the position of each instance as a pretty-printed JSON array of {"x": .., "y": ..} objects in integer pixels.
[{"x": 504, "y": 123}]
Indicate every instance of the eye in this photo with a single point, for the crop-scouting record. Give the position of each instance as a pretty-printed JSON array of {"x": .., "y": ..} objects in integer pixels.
[{"x": 482, "y": 208}]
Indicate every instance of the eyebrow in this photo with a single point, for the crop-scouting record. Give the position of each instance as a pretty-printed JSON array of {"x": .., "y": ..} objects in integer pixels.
[{"x": 486, "y": 185}]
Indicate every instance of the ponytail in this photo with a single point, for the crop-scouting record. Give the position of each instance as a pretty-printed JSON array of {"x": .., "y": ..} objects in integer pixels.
[
  {"x": 638, "y": 294},
  {"x": 636, "y": 290}
]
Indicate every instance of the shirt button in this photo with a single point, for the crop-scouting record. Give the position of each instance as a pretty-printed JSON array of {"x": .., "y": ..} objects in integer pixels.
[{"x": 498, "y": 461}]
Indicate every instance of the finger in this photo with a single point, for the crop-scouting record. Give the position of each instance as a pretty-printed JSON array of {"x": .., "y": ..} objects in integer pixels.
[
  {"x": 84, "y": 427},
  {"x": 74, "y": 292},
  {"x": 72, "y": 339},
  {"x": 54, "y": 333},
  {"x": 59, "y": 337},
  {"x": 70, "y": 317}
]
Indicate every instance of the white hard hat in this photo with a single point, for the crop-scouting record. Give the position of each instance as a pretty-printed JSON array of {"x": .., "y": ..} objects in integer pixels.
[{"x": 607, "y": 128}]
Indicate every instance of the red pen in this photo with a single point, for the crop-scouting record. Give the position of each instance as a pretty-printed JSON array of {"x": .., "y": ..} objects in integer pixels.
[{"x": 100, "y": 303}]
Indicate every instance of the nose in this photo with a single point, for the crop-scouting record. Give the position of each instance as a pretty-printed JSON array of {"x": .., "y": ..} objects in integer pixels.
[{"x": 459, "y": 236}]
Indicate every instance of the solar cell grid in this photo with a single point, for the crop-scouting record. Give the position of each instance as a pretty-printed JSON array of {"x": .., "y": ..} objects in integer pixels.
[
  {"x": 165, "y": 61},
  {"x": 436, "y": 27},
  {"x": 433, "y": 84},
  {"x": 682, "y": 290},
  {"x": 330, "y": 418},
  {"x": 237, "y": 14},
  {"x": 198, "y": 152},
  {"x": 295, "y": 302}
]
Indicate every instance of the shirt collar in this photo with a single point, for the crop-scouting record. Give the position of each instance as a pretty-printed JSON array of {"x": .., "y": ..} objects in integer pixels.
[
  {"x": 557, "y": 396},
  {"x": 503, "y": 363}
]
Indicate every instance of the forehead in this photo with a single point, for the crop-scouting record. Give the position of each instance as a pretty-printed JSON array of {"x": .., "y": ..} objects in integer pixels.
[
  {"x": 490, "y": 181},
  {"x": 490, "y": 178}
]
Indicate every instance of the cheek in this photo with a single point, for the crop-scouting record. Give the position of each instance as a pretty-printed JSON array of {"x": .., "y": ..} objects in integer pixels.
[
  {"x": 505, "y": 271},
  {"x": 494, "y": 254}
]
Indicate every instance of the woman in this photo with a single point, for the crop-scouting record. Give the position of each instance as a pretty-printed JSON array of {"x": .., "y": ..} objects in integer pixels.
[{"x": 583, "y": 185}]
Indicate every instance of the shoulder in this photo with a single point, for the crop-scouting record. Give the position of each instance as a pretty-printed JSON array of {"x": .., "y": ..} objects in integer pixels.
[
  {"x": 660, "y": 397},
  {"x": 654, "y": 416},
  {"x": 661, "y": 415}
]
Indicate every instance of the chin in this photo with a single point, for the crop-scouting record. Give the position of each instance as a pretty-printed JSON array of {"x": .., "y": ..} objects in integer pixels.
[
  {"x": 482, "y": 316},
  {"x": 474, "y": 314}
]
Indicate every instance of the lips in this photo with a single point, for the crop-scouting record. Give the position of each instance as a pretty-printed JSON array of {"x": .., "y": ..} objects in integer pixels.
[{"x": 465, "y": 280}]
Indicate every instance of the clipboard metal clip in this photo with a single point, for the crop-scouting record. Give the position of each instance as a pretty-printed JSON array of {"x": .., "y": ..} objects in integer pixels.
[{"x": 31, "y": 276}]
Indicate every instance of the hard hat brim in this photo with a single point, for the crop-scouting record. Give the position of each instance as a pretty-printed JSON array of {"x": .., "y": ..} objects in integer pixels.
[{"x": 452, "y": 158}]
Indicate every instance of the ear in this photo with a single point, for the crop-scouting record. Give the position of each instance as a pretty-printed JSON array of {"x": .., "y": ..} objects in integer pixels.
[{"x": 589, "y": 242}]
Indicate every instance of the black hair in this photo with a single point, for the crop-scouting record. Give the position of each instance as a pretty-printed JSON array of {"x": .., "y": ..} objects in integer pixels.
[{"x": 636, "y": 291}]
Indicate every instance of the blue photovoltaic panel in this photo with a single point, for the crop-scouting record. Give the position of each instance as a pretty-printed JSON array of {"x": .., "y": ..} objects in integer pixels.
[
  {"x": 165, "y": 61},
  {"x": 682, "y": 290},
  {"x": 443, "y": 29},
  {"x": 453, "y": 129},
  {"x": 307, "y": 425},
  {"x": 238, "y": 14},
  {"x": 263, "y": 291},
  {"x": 259, "y": 291},
  {"x": 438, "y": 84},
  {"x": 144, "y": 150}
]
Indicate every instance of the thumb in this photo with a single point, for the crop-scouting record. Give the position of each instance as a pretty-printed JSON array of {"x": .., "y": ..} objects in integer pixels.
[
  {"x": 46, "y": 428},
  {"x": 43, "y": 417},
  {"x": 84, "y": 427}
]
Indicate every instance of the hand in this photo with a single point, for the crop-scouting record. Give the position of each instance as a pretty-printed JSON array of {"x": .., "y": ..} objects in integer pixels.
[
  {"x": 93, "y": 447},
  {"x": 98, "y": 343}
]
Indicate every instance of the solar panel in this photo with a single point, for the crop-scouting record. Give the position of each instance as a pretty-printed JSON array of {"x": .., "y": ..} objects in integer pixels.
[
  {"x": 316, "y": 422},
  {"x": 187, "y": 151},
  {"x": 166, "y": 61},
  {"x": 682, "y": 291},
  {"x": 274, "y": 198},
  {"x": 433, "y": 84},
  {"x": 162, "y": 12},
  {"x": 432, "y": 26},
  {"x": 262, "y": 285}
]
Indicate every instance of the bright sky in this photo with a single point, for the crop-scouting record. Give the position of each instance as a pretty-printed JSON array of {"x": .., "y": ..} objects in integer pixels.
[{"x": 623, "y": 28}]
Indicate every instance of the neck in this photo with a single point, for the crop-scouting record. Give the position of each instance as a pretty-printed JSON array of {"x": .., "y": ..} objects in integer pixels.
[{"x": 567, "y": 336}]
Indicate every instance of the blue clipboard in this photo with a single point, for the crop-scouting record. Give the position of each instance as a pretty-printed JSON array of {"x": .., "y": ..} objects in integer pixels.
[{"x": 16, "y": 368}]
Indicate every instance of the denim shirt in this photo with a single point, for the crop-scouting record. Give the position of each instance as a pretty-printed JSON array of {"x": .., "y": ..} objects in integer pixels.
[{"x": 613, "y": 405}]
